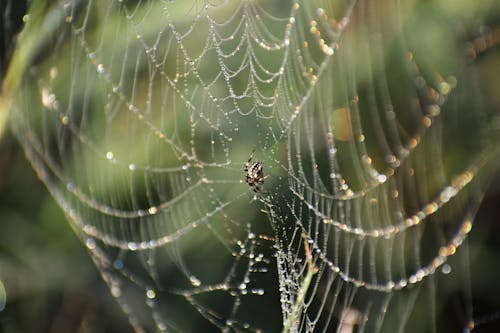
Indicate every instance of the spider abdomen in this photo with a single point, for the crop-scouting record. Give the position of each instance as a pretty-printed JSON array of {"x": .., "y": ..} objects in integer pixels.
[{"x": 254, "y": 174}]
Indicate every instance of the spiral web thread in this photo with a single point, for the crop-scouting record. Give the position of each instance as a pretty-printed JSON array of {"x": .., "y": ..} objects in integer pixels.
[{"x": 141, "y": 115}]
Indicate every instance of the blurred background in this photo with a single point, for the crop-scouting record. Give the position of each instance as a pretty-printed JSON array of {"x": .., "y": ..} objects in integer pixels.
[{"x": 48, "y": 282}]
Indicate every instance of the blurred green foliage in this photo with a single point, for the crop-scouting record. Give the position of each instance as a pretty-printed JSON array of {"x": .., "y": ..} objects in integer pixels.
[{"x": 50, "y": 281}]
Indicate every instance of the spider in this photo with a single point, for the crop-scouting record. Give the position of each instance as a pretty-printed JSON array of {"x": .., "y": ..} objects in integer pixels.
[{"x": 254, "y": 173}]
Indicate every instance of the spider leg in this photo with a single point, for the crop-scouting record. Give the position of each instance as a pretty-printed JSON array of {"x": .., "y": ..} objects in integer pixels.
[
  {"x": 247, "y": 164},
  {"x": 261, "y": 180},
  {"x": 251, "y": 157}
]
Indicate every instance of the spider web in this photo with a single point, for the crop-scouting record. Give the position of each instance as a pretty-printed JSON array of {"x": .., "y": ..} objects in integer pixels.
[{"x": 139, "y": 116}]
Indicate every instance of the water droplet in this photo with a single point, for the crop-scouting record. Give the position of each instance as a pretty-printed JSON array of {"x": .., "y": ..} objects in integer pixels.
[
  {"x": 90, "y": 243},
  {"x": 381, "y": 178},
  {"x": 195, "y": 281},
  {"x": 53, "y": 72},
  {"x": 100, "y": 68},
  {"x": 258, "y": 291},
  {"x": 118, "y": 264},
  {"x": 434, "y": 110},
  {"x": 444, "y": 88},
  {"x": 446, "y": 269},
  {"x": 45, "y": 97},
  {"x": 116, "y": 291},
  {"x": 161, "y": 326},
  {"x": 448, "y": 193},
  {"x": 150, "y": 294},
  {"x": 109, "y": 155}
]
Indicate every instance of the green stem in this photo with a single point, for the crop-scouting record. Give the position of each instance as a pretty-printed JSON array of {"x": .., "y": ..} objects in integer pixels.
[{"x": 297, "y": 308}]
